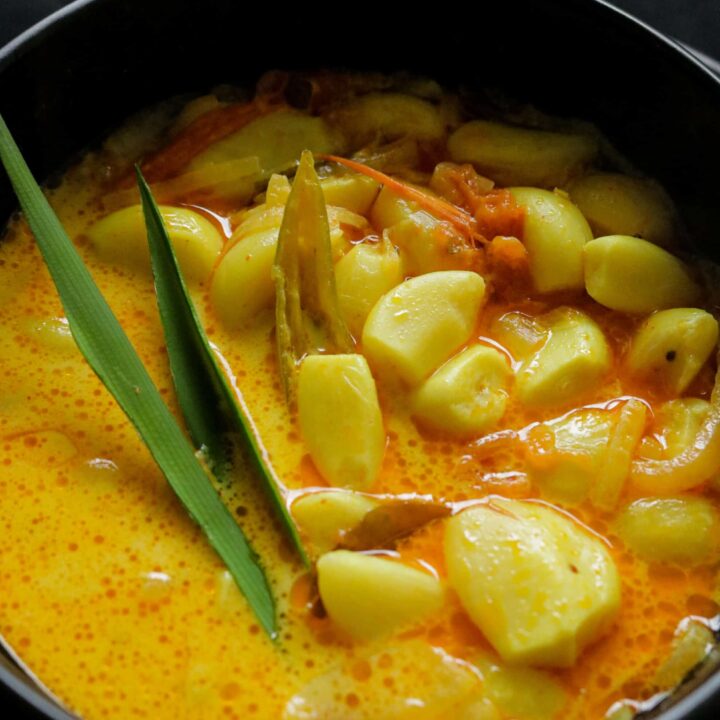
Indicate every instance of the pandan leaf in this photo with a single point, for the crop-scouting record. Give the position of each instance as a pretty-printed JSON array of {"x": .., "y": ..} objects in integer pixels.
[{"x": 212, "y": 409}]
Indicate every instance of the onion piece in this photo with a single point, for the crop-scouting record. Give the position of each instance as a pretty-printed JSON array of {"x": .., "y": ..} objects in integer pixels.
[
  {"x": 692, "y": 467},
  {"x": 628, "y": 431}
]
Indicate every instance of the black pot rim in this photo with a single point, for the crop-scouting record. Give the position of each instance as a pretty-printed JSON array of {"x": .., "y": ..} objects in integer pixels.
[
  {"x": 706, "y": 696},
  {"x": 35, "y": 33}
]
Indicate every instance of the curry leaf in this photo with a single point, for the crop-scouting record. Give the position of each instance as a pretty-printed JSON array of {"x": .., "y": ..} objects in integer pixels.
[
  {"x": 384, "y": 525},
  {"x": 110, "y": 354},
  {"x": 308, "y": 318},
  {"x": 211, "y": 408}
]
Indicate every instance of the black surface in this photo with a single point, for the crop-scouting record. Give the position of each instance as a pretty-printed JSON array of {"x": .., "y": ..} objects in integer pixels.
[
  {"x": 664, "y": 113},
  {"x": 695, "y": 22}
]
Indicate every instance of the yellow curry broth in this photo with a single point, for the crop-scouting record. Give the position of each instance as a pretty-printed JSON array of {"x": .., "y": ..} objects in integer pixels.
[
  {"x": 110, "y": 593},
  {"x": 112, "y": 596}
]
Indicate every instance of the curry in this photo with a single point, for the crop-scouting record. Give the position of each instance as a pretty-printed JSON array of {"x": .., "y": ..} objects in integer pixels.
[{"x": 481, "y": 362}]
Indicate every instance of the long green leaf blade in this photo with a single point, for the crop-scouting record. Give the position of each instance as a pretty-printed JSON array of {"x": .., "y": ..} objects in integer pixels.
[
  {"x": 196, "y": 385},
  {"x": 210, "y": 406},
  {"x": 111, "y": 355}
]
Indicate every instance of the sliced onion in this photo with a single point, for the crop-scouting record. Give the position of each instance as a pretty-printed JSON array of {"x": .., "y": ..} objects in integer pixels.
[
  {"x": 692, "y": 467},
  {"x": 629, "y": 428}
]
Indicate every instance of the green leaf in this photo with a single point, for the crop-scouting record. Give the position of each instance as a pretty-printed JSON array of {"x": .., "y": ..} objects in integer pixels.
[
  {"x": 307, "y": 312},
  {"x": 110, "y": 354},
  {"x": 211, "y": 408}
]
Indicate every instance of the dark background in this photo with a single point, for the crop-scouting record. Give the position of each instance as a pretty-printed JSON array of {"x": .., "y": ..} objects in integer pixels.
[{"x": 693, "y": 22}]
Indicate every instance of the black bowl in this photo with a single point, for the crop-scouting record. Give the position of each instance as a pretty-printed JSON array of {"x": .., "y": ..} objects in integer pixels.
[{"x": 65, "y": 83}]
